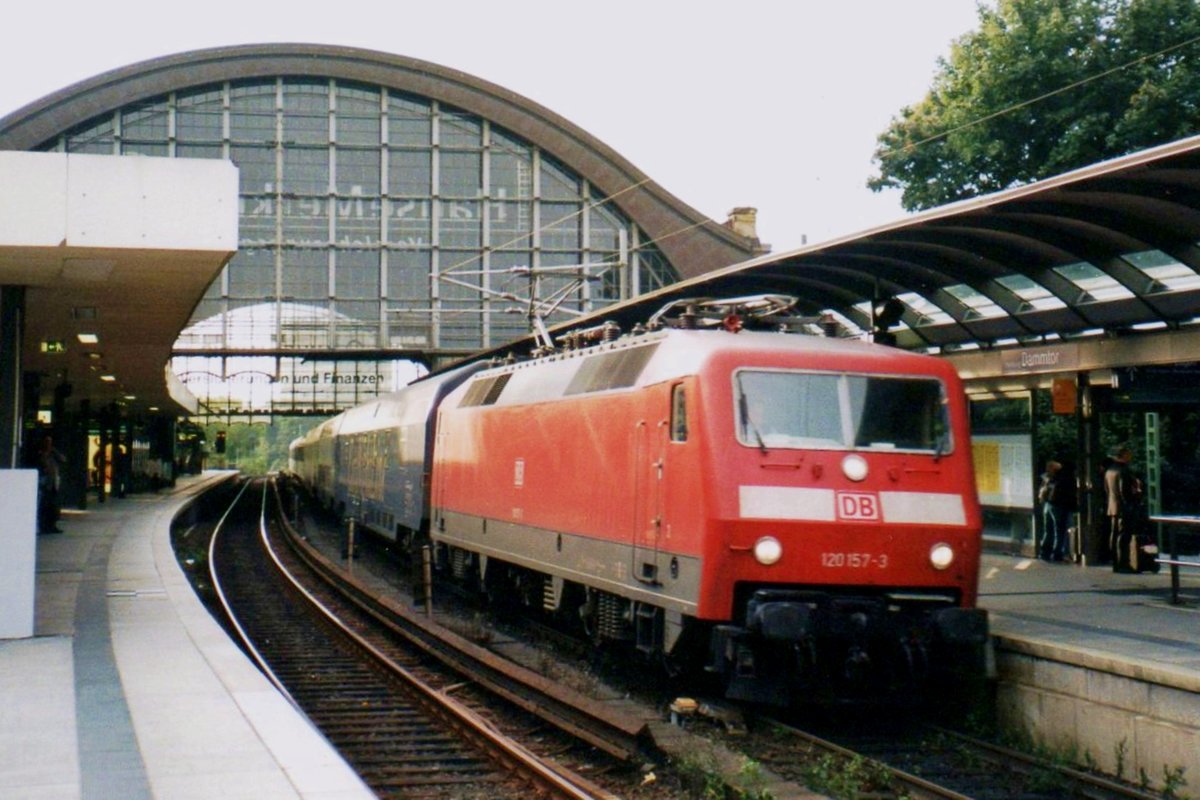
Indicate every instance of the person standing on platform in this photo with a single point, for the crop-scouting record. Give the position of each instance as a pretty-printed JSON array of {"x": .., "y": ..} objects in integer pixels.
[
  {"x": 1057, "y": 496},
  {"x": 1120, "y": 489},
  {"x": 48, "y": 462}
]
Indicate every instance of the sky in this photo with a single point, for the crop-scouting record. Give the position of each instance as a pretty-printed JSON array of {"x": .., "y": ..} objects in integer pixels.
[{"x": 774, "y": 104}]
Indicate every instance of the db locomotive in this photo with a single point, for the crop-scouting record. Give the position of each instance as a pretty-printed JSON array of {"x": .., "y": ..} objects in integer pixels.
[{"x": 794, "y": 514}]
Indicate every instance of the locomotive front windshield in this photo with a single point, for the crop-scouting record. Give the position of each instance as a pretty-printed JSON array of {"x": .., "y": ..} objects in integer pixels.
[{"x": 821, "y": 410}]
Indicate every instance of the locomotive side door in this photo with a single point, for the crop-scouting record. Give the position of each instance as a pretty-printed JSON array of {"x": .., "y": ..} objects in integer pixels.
[{"x": 650, "y": 464}]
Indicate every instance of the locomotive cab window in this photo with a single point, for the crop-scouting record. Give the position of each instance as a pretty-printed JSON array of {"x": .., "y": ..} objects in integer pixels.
[
  {"x": 812, "y": 411},
  {"x": 679, "y": 423}
]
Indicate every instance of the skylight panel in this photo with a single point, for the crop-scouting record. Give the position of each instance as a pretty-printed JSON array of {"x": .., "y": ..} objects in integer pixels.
[
  {"x": 1098, "y": 286},
  {"x": 1165, "y": 271},
  {"x": 979, "y": 304},
  {"x": 1032, "y": 294},
  {"x": 929, "y": 313}
]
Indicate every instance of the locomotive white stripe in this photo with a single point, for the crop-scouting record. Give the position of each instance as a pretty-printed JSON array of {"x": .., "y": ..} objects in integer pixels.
[
  {"x": 929, "y": 508},
  {"x": 818, "y": 505},
  {"x": 786, "y": 502}
]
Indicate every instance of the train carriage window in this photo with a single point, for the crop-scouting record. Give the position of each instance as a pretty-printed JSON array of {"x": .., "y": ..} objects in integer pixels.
[
  {"x": 679, "y": 423},
  {"x": 777, "y": 408}
]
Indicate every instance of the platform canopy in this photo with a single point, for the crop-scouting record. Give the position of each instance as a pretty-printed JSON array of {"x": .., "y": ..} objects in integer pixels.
[
  {"x": 1108, "y": 250},
  {"x": 113, "y": 255}
]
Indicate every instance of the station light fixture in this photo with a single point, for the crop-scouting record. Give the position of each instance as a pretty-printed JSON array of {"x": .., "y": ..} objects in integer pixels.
[
  {"x": 87, "y": 338},
  {"x": 108, "y": 378}
]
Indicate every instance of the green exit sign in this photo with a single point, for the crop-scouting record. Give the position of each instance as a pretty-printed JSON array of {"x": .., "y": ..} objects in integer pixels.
[{"x": 54, "y": 346}]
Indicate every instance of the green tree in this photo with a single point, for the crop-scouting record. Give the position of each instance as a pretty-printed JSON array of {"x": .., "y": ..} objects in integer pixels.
[
  {"x": 1043, "y": 87},
  {"x": 258, "y": 449}
]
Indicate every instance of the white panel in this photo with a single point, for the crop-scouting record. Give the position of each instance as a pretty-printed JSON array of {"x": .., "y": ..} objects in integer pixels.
[
  {"x": 923, "y": 507},
  {"x": 785, "y": 502},
  {"x": 33, "y": 202},
  {"x": 18, "y": 551},
  {"x": 151, "y": 203}
]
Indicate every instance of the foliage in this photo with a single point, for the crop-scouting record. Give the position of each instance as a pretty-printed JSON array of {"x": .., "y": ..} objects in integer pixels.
[
  {"x": 1043, "y": 87},
  {"x": 257, "y": 449}
]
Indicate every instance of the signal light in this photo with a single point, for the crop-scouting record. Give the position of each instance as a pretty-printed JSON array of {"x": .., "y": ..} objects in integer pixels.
[
  {"x": 884, "y": 314},
  {"x": 219, "y": 446}
]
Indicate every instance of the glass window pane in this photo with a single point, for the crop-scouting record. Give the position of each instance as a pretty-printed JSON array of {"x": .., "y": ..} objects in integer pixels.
[
  {"x": 145, "y": 122},
  {"x": 1097, "y": 285},
  {"x": 511, "y": 168},
  {"x": 198, "y": 115},
  {"x": 252, "y": 274},
  {"x": 94, "y": 137},
  {"x": 144, "y": 149},
  {"x": 252, "y": 112},
  {"x": 409, "y": 222},
  {"x": 654, "y": 271},
  {"x": 1167, "y": 273},
  {"x": 468, "y": 264},
  {"x": 557, "y": 183},
  {"x": 305, "y": 221},
  {"x": 409, "y": 173},
  {"x": 408, "y": 274},
  {"x": 306, "y": 112},
  {"x": 304, "y": 325},
  {"x": 604, "y": 229},
  {"x": 410, "y": 121},
  {"x": 305, "y": 274},
  {"x": 256, "y": 168},
  {"x": 460, "y": 130},
  {"x": 461, "y": 175},
  {"x": 358, "y": 172},
  {"x": 356, "y": 274},
  {"x": 1032, "y": 294},
  {"x": 561, "y": 226},
  {"x": 306, "y": 170},
  {"x": 199, "y": 151},
  {"x": 459, "y": 223},
  {"x": 358, "y": 115},
  {"x": 256, "y": 220},
  {"x": 977, "y": 303},
  {"x": 897, "y": 413},
  {"x": 511, "y": 224},
  {"x": 357, "y": 220},
  {"x": 784, "y": 409}
]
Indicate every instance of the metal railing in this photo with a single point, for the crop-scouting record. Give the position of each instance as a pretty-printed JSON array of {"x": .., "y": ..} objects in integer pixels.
[{"x": 1173, "y": 523}]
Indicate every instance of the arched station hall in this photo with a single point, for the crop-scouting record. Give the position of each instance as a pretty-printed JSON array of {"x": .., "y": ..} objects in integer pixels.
[
  {"x": 1071, "y": 307},
  {"x": 389, "y": 210}
]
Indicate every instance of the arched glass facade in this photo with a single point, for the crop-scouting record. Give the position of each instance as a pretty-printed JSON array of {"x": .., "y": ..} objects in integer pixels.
[{"x": 373, "y": 222}]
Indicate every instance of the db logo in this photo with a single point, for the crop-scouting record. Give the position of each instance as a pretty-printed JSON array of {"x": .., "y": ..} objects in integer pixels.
[{"x": 857, "y": 506}]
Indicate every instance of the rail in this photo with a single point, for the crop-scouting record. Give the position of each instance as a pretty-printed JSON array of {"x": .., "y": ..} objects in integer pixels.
[{"x": 1173, "y": 522}]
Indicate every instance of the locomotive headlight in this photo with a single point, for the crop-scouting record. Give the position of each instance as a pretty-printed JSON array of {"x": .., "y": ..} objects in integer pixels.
[
  {"x": 941, "y": 556},
  {"x": 854, "y": 467},
  {"x": 768, "y": 550}
]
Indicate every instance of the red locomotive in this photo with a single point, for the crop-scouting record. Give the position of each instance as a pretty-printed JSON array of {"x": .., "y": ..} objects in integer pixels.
[{"x": 796, "y": 513}]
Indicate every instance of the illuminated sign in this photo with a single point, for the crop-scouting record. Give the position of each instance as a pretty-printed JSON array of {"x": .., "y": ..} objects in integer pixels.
[{"x": 54, "y": 346}]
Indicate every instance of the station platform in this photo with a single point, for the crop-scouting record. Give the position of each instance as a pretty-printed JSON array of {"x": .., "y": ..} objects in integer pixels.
[
  {"x": 1099, "y": 666},
  {"x": 130, "y": 689}
]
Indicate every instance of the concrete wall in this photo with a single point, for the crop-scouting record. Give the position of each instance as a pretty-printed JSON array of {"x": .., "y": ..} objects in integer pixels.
[
  {"x": 93, "y": 201},
  {"x": 18, "y": 551},
  {"x": 1125, "y": 719}
]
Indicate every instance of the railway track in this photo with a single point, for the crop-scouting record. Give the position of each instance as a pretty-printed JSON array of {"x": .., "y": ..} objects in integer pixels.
[
  {"x": 898, "y": 762},
  {"x": 392, "y": 711},
  {"x": 926, "y": 762}
]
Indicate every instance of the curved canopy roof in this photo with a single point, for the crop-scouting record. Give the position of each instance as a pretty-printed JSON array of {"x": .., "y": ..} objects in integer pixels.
[{"x": 1112, "y": 248}]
